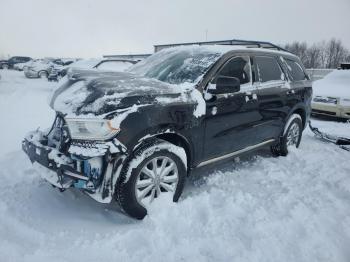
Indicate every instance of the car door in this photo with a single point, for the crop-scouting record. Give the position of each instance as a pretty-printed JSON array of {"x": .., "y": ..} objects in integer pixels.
[
  {"x": 230, "y": 117},
  {"x": 273, "y": 90}
]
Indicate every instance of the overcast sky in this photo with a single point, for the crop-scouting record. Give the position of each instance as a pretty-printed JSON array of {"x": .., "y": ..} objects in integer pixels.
[{"x": 89, "y": 28}]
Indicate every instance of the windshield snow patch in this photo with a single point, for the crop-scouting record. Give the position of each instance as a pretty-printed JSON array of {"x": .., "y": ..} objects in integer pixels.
[{"x": 179, "y": 65}]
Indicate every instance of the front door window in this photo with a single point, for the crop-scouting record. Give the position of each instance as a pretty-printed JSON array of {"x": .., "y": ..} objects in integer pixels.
[{"x": 240, "y": 68}]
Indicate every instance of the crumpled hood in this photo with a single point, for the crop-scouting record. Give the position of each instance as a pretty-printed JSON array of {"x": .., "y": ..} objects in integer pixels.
[{"x": 96, "y": 93}]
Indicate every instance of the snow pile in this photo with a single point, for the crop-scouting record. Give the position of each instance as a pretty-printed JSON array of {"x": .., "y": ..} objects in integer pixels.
[
  {"x": 23, "y": 107},
  {"x": 294, "y": 208}
]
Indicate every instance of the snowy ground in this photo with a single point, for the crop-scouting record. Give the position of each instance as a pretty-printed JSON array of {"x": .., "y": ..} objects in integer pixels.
[{"x": 262, "y": 208}]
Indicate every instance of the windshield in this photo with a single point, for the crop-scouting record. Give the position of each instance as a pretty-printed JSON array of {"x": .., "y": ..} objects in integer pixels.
[{"x": 178, "y": 65}]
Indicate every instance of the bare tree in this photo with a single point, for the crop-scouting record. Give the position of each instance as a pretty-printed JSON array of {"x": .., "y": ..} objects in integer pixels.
[
  {"x": 313, "y": 57},
  {"x": 299, "y": 49},
  {"x": 320, "y": 55}
]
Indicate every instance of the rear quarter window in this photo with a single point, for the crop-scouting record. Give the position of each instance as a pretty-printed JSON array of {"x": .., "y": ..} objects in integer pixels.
[{"x": 295, "y": 70}]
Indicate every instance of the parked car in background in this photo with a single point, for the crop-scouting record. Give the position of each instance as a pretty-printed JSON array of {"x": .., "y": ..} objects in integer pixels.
[
  {"x": 332, "y": 95},
  {"x": 22, "y": 66},
  {"x": 134, "y": 136},
  {"x": 9, "y": 64},
  {"x": 344, "y": 66},
  {"x": 115, "y": 65},
  {"x": 58, "y": 67},
  {"x": 38, "y": 69},
  {"x": 43, "y": 67}
]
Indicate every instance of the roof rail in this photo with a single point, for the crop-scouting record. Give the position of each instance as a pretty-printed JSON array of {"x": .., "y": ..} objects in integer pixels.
[{"x": 247, "y": 43}]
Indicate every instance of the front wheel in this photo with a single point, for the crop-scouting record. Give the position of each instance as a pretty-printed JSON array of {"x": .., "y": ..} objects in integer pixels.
[
  {"x": 157, "y": 168},
  {"x": 291, "y": 136}
]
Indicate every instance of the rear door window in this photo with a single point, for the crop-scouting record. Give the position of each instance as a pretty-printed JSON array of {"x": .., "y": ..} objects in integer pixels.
[
  {"x": 269, "y": 69},
  {"x": 295, "y": 69}
]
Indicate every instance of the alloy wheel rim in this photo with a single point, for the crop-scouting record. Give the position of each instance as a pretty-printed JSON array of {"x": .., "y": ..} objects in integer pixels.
[
  {"x": 159, "y": 175},
  {"x": 293, "y": 135}
]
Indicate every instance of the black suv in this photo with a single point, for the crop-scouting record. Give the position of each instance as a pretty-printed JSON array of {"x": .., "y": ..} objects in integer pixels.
[
  {"x": 133, "y": 136},
  {"x": 8, "y": 64}
]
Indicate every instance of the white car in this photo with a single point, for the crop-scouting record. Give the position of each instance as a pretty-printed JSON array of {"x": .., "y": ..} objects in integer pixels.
[
  {"x": 22, "y": 66},
  {"x": 38, "y": 69},
  {"x": 332, "y": 95}
]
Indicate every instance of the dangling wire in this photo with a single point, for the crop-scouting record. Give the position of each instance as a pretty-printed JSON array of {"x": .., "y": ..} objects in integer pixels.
[{"x": 53, "y": 126}]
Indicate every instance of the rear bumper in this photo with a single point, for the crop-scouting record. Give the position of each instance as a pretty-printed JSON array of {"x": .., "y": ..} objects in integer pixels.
[{"x": 337, "y": 111}]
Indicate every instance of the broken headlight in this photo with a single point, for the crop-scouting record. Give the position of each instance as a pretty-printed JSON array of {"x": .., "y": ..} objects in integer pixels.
[{"x": 91, "y": 129}]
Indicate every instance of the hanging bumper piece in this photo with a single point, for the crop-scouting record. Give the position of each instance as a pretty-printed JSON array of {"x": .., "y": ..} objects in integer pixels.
[{"x": 342, "y": 142}]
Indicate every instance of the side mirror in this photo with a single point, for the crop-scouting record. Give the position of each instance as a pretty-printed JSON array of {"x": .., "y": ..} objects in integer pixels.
[{"x": 225, "y": 85}]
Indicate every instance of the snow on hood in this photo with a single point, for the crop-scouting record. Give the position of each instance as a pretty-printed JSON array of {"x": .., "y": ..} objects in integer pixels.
[
  {"x": 335, "y": 84},
  {"x": 90, "y": 93}
]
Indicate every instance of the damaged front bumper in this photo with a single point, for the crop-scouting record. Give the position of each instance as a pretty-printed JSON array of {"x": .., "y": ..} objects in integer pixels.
[{"x": 93, "y": 167}]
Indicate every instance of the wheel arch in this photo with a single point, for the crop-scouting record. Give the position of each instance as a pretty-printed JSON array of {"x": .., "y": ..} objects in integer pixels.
[
  {"x": 302, "y": 112},
  {"x": 178, "y": 140},
  {"x": 173, "y": 138}
]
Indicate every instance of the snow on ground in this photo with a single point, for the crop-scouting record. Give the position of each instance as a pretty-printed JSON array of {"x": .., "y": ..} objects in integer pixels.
[
  {"x": 294, "y": 208},
  {"x": 23, "y": 106}
]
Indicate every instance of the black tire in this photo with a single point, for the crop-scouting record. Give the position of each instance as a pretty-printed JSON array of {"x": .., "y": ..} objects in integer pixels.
[
  {"x": 281, "y": 148},
  {"x": 125, "y": 188}
]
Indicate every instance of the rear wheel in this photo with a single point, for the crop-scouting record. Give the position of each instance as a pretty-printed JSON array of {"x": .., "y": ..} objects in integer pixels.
[
  {"x": 43, "y": 74},
  {"x": 157, "y": 168},
  {"x": 291, "y": 136}
]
